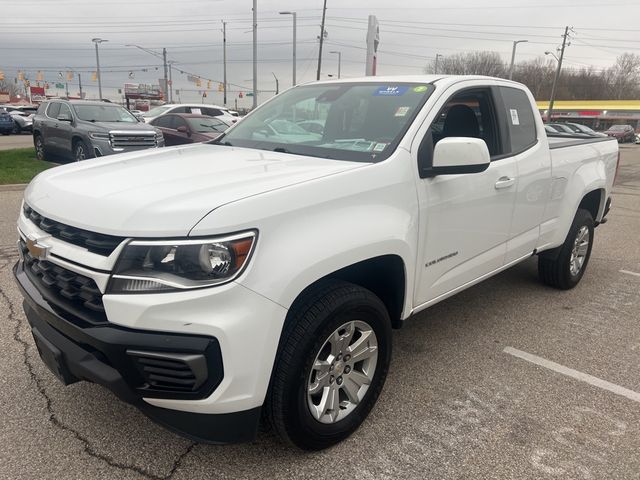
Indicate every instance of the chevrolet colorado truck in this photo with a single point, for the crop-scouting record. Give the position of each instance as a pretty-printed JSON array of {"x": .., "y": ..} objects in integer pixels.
[{"x": 259, "y": 277}]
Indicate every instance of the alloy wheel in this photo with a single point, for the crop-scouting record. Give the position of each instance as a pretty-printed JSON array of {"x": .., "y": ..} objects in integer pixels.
[{"x": 579, "y": 251}]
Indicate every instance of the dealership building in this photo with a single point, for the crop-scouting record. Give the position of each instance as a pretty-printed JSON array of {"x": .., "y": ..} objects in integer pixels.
[{"x": 597, "y": 114}]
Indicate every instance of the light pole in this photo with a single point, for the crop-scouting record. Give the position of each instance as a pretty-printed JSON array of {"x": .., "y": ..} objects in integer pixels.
[
  {"x": 165, "y": 64},
  {"x": 255, "y": 53},
  {"x": 294, "y": 42},
  {"x": 513, "y": 56},
  {"x": 277, "y": 83},
  {"x": 324, "y": 14},
  {"x": 339, "y": 60},
  {"x": 435, "y": 66},
  {"x": 97, "y": 41},
  {"x": 224, "y": 62}
]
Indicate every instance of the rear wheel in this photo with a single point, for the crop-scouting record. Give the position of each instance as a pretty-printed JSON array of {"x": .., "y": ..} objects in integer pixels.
[
  {"x": 565, "y": 269},
  {"x": 39, "y": 146},
  {"x": 331, "y": 366}
]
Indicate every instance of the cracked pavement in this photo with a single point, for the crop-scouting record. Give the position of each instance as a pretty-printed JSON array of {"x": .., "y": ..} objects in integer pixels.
[{"x": 454, "y": 405}]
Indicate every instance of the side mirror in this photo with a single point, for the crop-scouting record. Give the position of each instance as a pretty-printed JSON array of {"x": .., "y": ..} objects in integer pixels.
[
  {"x": 64, "y": 118},
  {"x": 182, "y": 129},
  {"x": 457, "y": 155}
]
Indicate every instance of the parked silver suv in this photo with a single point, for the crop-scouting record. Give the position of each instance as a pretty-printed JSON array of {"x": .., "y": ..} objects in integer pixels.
[{"x": 78, "y": 129}]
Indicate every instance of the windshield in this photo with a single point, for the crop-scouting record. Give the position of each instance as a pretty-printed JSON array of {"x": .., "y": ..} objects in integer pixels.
[
  {"x": 206, "y": 125},
  {"x": 104, "y": 113},
  {"x": 154, "y": 112},
  {"x": 359, "y": 121}
]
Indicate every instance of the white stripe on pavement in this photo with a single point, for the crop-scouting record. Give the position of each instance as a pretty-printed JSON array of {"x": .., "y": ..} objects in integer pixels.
[
  {"x": 569, "y": 372},
  {"x": 630, "y": 273}
]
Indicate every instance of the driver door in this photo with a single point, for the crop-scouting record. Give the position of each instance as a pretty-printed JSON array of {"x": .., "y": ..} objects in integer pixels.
[{"x": 465, "y": 219}]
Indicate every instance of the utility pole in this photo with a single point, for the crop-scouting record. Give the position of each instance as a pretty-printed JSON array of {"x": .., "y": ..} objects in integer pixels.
[
  {"x": 97, "y": 41},
  {"x": 277, "y": 83},
  {"x": 255, "y": 53},
  {"x": 324, "y": 13},
  {"x": 80, "y": 84},
  {"x": 224, "y": 61},
  {"x": 558, "y": 70},
  {"x": 435, "y": 66},
  {"x": 166, "y": 75},
  {"x": 170, "y": 87},
  {"x": 513, "y": 56}
]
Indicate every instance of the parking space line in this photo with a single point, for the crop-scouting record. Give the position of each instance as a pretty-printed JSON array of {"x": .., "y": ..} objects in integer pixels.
[
  {"x": 630, "y": 273},
  {"x": 569, "y": 372}
]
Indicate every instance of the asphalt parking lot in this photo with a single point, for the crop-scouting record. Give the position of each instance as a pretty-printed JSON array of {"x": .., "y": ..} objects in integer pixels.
[
  {"x": 509, "y": 379},
  {"x": 23, "y": 140}
]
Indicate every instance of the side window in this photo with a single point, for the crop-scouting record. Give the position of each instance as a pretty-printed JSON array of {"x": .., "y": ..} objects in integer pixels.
[
  {"x": 213, "y": 112},
  {"x": 65, "y": 112},
  {"x": 53, "y": 110},
  {"x": 519, "y": 118},
  {"x": 178, "y": 122},
  {"x": 164, "y": 121},
  {"x": 470, "y": 113},
  {"x": 42, "y": 108},
  {"x": 180, "y": 110}
]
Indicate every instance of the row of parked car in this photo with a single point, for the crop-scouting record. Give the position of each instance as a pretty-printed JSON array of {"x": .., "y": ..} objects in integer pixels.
[
  {"x": 16, "y": 118},
  {"x": 80, "y": 129},
  {"x": 623, "y": 133}
]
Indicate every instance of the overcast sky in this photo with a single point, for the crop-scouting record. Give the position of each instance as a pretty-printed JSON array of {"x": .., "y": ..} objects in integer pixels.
[{"x": 53, "y": 35}]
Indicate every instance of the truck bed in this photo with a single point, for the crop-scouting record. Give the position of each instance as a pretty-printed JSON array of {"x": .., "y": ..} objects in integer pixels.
[{"x": 562, "y": 141}]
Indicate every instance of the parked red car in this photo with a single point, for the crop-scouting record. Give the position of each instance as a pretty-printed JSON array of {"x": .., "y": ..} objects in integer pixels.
[
  {"x": 182, "y": 128},
  {"x": 623, "y": 133}
]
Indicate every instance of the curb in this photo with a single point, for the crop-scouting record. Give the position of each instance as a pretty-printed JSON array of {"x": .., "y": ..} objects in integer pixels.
[{"x": 15, "y": 187}]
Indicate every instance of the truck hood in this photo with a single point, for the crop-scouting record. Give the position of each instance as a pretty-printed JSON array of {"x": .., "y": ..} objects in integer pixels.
[{"x": 165, "y": 192}]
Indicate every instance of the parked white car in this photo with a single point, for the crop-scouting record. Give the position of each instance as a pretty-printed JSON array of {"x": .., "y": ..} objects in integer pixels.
[
  {"x": 212, "y": 285},
  {"x": 198, "y": 109}
]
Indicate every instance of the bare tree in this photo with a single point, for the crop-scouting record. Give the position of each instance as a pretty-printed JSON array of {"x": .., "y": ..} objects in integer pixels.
[
  {"x": 9, "y": 87},
  {"x": 537, "y": 74},
  {"x": 470, "y": 63},
  {"x": 623, "y": 79}
]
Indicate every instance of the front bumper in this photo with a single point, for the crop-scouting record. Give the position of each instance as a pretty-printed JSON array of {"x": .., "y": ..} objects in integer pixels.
[{"x": 108, "y": 355}]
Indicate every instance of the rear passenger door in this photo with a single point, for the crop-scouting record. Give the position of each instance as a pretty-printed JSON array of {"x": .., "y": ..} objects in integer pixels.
[
  {"x": 465, "y": 219},
  {"x": 533, "y": 162},
  {"x": 49, "y": 127}
]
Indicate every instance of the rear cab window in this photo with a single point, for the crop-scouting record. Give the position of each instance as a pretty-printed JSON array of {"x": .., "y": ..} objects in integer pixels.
[{"x": 520, "y": 120}]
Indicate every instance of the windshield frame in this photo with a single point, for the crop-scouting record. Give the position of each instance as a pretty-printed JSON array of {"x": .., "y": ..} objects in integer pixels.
[{"x": 335, "y": 153}]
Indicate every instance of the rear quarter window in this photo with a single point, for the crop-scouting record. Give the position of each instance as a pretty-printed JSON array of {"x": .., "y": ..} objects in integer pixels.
[{"x": 520, "y": 119}]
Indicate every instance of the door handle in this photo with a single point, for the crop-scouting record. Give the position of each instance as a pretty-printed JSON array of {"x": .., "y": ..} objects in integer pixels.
[{"x": 505, "y": 182}]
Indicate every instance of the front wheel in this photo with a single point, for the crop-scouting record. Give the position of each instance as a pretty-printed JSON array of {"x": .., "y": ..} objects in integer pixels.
[
  {"x": 39, "y": 145},
  {"x": 565, "y": 270},
  {"x": 81, "y": 151},
  {"x": 332, "y": 363}
]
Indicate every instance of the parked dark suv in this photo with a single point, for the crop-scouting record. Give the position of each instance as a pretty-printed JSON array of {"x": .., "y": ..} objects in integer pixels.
[{"x": 78, "y": 129}]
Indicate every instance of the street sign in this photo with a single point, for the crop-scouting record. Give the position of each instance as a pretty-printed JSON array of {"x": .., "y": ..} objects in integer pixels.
[
  {"x": 59, "y": 85},
  {"x": 249, "y": 94}
]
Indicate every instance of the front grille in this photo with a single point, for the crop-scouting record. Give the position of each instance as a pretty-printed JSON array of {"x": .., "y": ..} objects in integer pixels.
[
  {"x": 94, "y": 242},
  {"x": 170, "y": 372},
  {"x": 73, "y": 296},
  {"x": 124, "y": 140}
]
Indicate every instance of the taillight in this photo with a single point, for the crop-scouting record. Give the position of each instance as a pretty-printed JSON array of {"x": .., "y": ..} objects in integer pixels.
[{"x": 615, "y": 177}]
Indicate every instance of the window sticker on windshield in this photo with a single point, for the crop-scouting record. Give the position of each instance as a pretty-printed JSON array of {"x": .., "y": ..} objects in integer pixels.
[
  {"x": 514, "y": 116},
  {"x": 420, "y": 88},
  {"x": 378, "y": 147},
  {"x": 402, "y": 111},
  {"x": 390, "y": 91}
]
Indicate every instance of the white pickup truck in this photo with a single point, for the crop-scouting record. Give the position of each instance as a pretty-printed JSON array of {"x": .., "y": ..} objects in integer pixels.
[{"x": 260, "y": 276}]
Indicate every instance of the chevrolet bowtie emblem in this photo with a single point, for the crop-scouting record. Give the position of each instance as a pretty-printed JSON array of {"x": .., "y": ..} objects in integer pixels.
[{"x": 36, "y": 249}]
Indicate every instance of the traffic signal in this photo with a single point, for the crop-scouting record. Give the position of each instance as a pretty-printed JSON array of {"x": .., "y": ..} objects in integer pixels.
[
  {"x": 1, "y": 75},
  {"x": 204, "y": 95},
  {"x": 221, "y": 87},
  {"x": 69, "y": 76},
  {"x": 20, "y": 75},
  {"x": 39, "y": 76},
  {"x": 198, "y": 82},
  {"x": 94, "y": 76},
  {"x": 240, "y": 95},
  {"x": 208, "y": 84}
]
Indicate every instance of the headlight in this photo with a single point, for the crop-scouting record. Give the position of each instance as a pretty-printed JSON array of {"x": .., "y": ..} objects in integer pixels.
[
  {"x": 162, "y": 266},
  {"x": 100, "y": 135}
]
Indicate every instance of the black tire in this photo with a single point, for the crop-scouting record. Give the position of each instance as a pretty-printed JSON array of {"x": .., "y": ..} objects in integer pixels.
[
  {"x": 312, "y": 319},
  {"x": 554, "y": 267},
  {"x": 81, "y": 151},
  {"x": 38, "y": 143}
]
